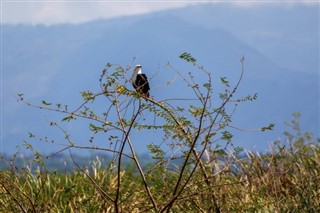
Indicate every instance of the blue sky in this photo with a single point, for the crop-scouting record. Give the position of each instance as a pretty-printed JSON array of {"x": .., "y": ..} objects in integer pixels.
[
  {"x": 289, "y": 39},
  {"x": 49, "y": 12},
  {"x": 55, "y": 12}
]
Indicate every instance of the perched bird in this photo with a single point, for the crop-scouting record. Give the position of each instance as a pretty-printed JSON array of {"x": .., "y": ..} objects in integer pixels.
[{"x": 140, "y": 81}]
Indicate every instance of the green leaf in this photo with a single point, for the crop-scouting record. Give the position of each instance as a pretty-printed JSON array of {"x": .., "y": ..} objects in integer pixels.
[
  {"x": 45, "y": 103},
  {"x": 209, "y": 136},
  {"x": 68, "y": 118},
  {"x": 106, "y": 123},
  {"x": 224, "y": 81},
  {"x": 27, "y": 145},
  {"x": 96, "y": 128},
  {"x": 188, "y": 57},
  {"x": 270, "y": 127},
  {"x": 226, "y": 135},
  {"x": 207, "y": 86},
  {"x": 156, "y": 150},
  {"x": 87, "y": 95},
  {"x": 238, "y": 150},
  {"x": 196, "y": 111},
  {"x": 219, "y": 152},
  {"x": 248, "y": 98},
  {"x": 180, "y": 109},
  {"x": 223, "y": 96},
  {"x": 31, "y": 135}
]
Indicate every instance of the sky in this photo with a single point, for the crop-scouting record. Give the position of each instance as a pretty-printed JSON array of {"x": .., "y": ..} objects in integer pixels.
[
  {"x": 55, "y": 12},
  {"x": 50, "y": 12}
]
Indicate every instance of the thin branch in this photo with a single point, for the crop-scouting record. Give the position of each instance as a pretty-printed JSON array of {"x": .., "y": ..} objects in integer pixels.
[
  {"x": 14, "y": 198},
  {"x": 126, "y": 132},
  {"x": 198, "y": 159},
  {"x": 103, "y": 193},
  {"x": 68, "y": 112}
]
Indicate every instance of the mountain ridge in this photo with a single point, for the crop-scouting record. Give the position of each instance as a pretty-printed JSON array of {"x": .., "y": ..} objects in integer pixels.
[{"x": 58, "y": 62}]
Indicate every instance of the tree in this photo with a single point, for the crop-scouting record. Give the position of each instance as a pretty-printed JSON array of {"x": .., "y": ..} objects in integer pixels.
[{"x": 191, "y": 141}]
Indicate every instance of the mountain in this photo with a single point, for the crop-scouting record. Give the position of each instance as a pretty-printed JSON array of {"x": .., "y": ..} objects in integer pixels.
[
  {"x": 55, "y": 63},
  {"x": 294, "y": 28}
]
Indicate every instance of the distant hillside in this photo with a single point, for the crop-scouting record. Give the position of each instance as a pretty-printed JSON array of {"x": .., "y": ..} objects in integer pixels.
[{"x": 56, "y": 63}]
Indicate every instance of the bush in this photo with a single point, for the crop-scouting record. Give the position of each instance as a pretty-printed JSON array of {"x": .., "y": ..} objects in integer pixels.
[{"x": 194, "y": 165}]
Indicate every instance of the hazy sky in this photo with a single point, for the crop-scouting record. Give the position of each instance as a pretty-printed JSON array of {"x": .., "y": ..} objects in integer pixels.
[
  {"x": 54, "y": 12},
  {"x": 50, "y": 12}
]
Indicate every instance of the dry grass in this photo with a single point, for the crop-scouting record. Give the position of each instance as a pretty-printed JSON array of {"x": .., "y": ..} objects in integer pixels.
[{"x": 287, "y": 179}]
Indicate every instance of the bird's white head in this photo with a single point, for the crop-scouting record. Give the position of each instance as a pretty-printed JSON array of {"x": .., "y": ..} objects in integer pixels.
[{"x": 138, "y": 69}]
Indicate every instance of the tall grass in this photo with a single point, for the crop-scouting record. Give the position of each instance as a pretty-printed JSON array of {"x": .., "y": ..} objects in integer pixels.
[{"x": 286, "y": 179}]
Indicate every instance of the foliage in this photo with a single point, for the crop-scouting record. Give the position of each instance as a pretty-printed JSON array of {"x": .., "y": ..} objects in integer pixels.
[
  {"x": 286, "y": 179},
  {"x": 195, "y": 166}
]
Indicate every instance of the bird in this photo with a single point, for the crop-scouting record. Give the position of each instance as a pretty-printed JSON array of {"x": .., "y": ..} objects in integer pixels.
[{"x": 140, "y": 81}]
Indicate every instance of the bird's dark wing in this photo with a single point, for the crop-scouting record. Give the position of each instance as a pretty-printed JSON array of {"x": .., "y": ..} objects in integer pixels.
[
  {"x": 138, "y": 82},
  {"x": 141, "y": 84},
  {"x": 145, "y": 86},
  {"x": 145, "y": 82}
]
